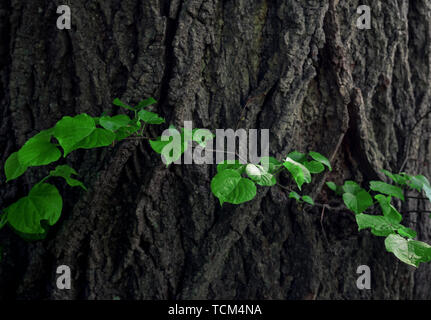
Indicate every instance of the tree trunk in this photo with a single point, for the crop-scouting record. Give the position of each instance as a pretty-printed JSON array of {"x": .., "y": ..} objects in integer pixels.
[{"x": 144, "y": 231}]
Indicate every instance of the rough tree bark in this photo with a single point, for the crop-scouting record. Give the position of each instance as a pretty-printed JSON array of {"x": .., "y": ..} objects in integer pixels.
[{"x": 146, "y": 232}]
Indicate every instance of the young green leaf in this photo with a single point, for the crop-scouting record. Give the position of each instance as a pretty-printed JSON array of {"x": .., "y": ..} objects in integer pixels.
[
  {"x": 417, "y": 182},
  {"x": 320, "y": 158},
  {"x": 331, "y": 185},
  {"x": 397, "y": 178},
  {"x": 150, "y": 117},
  {"x": 121, "y": 104},
  {"x": 145, "y": 103},
  {"x": 358, "y": 202},
  {"x": 409, "y": 251},
  {"x": 38, "y": 150},
  {"x": 228, "y": 186},
  {"x": 114, "y": 123},
  {"x": 314, "y": 166},
  {"x": 406, "y": 232},
  {"x": 294, "y": 195},
  {"x": 70, "y": 131},
  {"x": 388, "y": 189},
  {"x": 270, "y": 164},
  {"x": 42, "y": 203},
  {"x": 258, "y": 174},
  {"x": 380, "y": 226},
  {"x": 13, "y": 168},
  {"x": 127, "y": 131},
  {"x": 299, "y": 173},
  {"x": 388, "y": 210},
  {"x": 297, "y": 156},
  {"x": 66, "y": 172},
  {"x": 308, "y": 199},
  {"x": 351, "y": 187}
]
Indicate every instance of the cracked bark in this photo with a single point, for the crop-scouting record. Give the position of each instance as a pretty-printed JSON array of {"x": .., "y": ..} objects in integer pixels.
[{"x": 147, "y": 232}]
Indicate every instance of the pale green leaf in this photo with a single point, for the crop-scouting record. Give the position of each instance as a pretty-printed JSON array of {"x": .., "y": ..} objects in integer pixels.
[
  {"x": 409, "y": 251},
  {"x": 386, "y": 188},
  {"x": 299, "y": 173},
  {"x": 114, "y": 123}
]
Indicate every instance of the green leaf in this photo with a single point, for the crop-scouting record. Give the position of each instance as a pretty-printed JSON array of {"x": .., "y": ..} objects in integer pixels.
[
  {"x": 228, "y": 186},
  {"x": 314, "y": 166},
  {"x": 114, "y": 123},
  {"x": 331, "y": 185},
  {"x": 417, "y": 182},
  {"x": 13, "y": 168},
  {"x": 380, "y": 226},
  {"x": 42, "y": 203},
  {"x": 388, "y": 210},
  {"x": 259, "y": 175},
  {"x": 386, "y": 224},
  {"x": 120, "y": 103},
  {"x": 397, "y": 178},
  {"x": 320, "y": 158},
  {"x": 157, "y": 145},
  {"x": 38, "y": 150},
  {"x": 171, "y": 149},
  {"x": 294, "y": 195},
  {"x": 407, "y": 232},
  {"x": 232, "y": 165},
  {"x": 297, "y": 156},
  {"x": 299, "y": 173},
  {"x": 98, "y": 138},
  {"x": 337, "y": 189},
  {"x": 308, "y": 199},
  {"x": 127, "y": 131},
  {"x": 71, "y": 131},
  {"x": 409, "y": 251},
  {"x": 66, "y": 172},
  {"x": 388, "y": 189},
  {"x": 351, "y": 187},
  {"x": 271, "y": 164},
  {"x": 358, "y": 202},
  {"x": 150, "y": 117},
  {"x": 145, "y": 103}
]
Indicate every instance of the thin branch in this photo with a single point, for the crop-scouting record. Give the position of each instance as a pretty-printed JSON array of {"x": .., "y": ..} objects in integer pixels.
[{"x": 227, "y": 152}]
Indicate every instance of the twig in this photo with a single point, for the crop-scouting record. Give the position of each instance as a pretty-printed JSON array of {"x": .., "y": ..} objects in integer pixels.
[{"x": 321, "y": 223}]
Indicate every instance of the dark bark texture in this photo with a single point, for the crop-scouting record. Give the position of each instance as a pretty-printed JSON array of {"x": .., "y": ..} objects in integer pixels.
[{"x": 144, "y": 231}]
